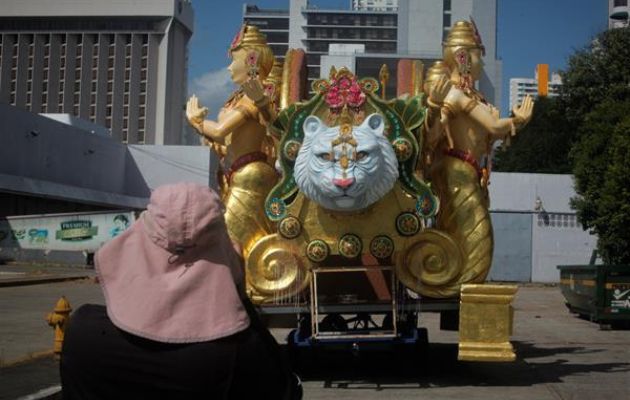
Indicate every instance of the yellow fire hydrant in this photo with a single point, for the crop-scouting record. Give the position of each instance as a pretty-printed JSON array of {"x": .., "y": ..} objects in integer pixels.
[{"x": 58, "y": 319}]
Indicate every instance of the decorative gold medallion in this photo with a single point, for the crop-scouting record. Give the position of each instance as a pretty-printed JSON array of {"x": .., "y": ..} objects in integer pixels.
[
  {"x": 382, "y": 246},
  {"x": 290, "y": 227},
  {"x": 350, "y": 245},
  {"x": 407, "y": 224},
  {"x": 291, "y": 149},
  {"x": 317, "y": 250},
  {"x": 427, "y": 205},
  {"x": 275, "y": 209},
  {"x": 403, "y": 149}
]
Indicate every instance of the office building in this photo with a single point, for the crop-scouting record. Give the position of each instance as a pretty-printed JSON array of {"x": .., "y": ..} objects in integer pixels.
[
  {"x": 540, "y": 85},
  {"x": 375, "y": 5},
  {"x": 121, "y": 65},
  {"x": 380, "y": 32},
  {"x": 618, "y": 11},
  {"x": 273, "y": 23}
]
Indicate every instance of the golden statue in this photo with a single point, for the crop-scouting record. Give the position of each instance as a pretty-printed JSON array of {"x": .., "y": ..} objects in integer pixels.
[
  {"x": 240, "y": 137},
  {"x": 392, "y": 189},
  {"x": 461, "y": 130},
  {"x": 436, "y": 85}
]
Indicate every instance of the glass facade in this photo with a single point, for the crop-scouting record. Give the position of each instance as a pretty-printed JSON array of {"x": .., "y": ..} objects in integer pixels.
[{"x": 350, "y": 19}]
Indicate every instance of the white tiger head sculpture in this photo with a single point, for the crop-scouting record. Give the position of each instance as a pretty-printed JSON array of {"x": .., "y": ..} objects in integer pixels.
[{"x": 345, "y": 168}]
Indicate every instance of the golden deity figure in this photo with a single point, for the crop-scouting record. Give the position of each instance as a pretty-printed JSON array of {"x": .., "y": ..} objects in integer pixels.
[
  {"x": 239, "y": 135},
  {"x": 462, "y": 128},
  {"x": 436, "y": 85}
]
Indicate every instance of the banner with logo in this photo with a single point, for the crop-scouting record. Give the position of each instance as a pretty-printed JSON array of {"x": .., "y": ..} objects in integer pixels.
[{"x": 73, "y": 232}]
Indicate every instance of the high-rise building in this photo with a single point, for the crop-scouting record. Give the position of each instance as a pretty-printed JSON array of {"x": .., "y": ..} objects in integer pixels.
[
  {"x": 618, "y": 11},
  {"x": 539, "y": 85},
  {"x": 122, "y": 65},
  {"x": 273, "y": 23},
  {"x": 404, "y": 29},
  {"x": 375, "y": 5}
]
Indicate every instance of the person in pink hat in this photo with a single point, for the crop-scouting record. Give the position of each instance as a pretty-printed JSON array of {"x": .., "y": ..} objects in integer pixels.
[{"x": 177, "y": 323}]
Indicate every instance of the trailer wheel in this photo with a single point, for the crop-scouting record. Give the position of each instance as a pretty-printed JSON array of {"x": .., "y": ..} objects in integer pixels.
[{"x": 333, "y": 322}]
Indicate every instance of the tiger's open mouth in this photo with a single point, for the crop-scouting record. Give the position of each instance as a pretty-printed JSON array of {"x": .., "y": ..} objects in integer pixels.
[{"x": 344, "y": 201}]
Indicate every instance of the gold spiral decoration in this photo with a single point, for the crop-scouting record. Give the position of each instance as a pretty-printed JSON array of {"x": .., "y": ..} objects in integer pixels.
[
  {"x": 432, "y": 262},
  {"x": 274, "y": 269},
  {"x": 464, "y": 215}
]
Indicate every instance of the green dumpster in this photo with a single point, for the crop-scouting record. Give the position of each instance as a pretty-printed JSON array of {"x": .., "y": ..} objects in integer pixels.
[{"x": 600, "y": 293}]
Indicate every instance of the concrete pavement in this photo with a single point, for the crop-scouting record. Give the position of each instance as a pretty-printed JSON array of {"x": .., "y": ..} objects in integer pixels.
[{"x": 559, "y": 355}]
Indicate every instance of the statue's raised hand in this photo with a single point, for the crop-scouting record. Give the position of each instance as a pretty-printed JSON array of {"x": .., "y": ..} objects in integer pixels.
[
  {"x": 439, "y": 90},
  {"x": 523, "y": 113},
  {"x": 253, "y": 89},
  {"x": 195, "y": 114}
]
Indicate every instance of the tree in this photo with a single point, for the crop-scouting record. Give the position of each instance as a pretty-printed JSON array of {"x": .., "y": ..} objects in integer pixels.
[
  {"x": 598, "y": 72},
  {"x": 543, "y": 145},
  {"x": 602, "y": 179},
  {"x": 597, "y": 95}
]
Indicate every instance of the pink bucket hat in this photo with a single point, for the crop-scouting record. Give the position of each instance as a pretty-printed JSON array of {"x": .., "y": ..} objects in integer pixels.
[{"x": 174, "y": 276}]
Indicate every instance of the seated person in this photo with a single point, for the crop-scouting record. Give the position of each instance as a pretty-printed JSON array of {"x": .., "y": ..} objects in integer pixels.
[{"x": 177, "y": 324}]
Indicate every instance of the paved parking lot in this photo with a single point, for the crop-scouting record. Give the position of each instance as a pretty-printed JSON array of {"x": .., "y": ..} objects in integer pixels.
[{"x": 559, "y": 355}]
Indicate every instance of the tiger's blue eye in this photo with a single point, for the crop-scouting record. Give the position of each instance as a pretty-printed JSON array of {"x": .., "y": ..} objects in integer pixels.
[
  {"x": 325, "y": 156},
  {"x": 361, "y": 155}
]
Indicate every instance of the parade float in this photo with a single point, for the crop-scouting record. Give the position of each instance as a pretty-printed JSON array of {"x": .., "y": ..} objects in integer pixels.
[{"x": 358, "y": 212}]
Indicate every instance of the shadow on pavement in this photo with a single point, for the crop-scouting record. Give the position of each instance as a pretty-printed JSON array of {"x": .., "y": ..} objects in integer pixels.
[
  {"x": 437, "y": 366},
  {"x": 28, "y": 378}
]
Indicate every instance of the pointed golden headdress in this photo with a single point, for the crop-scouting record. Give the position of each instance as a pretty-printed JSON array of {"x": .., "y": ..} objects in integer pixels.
[
  {"x": 250, "y": 37},
  {"x": 464, "y": 34}
]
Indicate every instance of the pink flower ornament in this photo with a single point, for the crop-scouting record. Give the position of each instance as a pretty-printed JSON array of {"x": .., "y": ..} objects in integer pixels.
[
  {"x": 345, "y": 91},
  {"x": 252, "y": 62}
]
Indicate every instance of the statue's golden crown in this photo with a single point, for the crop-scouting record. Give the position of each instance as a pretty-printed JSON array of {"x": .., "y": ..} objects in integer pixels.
[
  {"x": 464, "y": 34},
  {"x": 249, "y": 35}
]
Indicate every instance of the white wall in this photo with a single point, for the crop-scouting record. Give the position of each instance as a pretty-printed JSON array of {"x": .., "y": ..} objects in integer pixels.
[
  {"x": 160, "y": 165},
  {"x": 511, "y": 191},
  {"x": 296, "y": 21},
  {"x": 420, "y": 28},
  {"x": 556, "y": 244},
  {"x": 556, "y": 236}
]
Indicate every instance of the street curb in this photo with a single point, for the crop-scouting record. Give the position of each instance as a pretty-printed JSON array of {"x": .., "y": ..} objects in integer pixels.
[
  {"x": 51, "y": 393},
  {"x": 27, "y": 358},
  {"x": 24, "y": 281}
]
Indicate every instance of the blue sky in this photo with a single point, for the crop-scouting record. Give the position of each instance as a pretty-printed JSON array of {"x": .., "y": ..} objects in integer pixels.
[{"x": 529, "y": 32}]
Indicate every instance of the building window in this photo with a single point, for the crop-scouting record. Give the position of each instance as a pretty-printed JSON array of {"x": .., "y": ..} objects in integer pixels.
[
  {"x": 620, "y": 3},
  {"x": 447, "y": 20}
]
